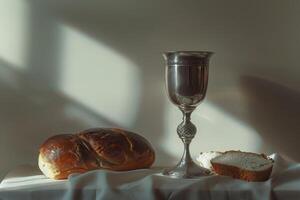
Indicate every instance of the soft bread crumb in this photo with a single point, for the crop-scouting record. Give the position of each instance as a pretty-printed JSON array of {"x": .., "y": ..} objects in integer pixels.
[
  {"x": 48, "y": 169},
  {"x": 244, "y": 160}
]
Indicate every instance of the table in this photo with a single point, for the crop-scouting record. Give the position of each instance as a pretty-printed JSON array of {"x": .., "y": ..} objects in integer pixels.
[{"x": 27, "y": 183}]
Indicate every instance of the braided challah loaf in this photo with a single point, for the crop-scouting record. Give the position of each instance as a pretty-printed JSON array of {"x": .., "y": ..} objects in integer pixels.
[{"x": 100, "y": 148}]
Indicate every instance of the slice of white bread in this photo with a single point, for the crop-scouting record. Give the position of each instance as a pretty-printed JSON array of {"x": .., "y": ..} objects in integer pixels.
[{"x": 243, "y": 165}]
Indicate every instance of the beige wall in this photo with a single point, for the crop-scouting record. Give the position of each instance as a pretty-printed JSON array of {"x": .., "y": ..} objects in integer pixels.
[{"x": 71, "y": 65}]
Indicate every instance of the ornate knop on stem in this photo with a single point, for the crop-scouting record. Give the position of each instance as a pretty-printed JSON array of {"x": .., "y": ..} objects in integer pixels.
[{"x": 186, "y": 129}]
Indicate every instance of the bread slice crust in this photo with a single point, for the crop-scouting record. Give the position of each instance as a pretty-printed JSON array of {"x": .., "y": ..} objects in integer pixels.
[{"x": 240, "y": 173}]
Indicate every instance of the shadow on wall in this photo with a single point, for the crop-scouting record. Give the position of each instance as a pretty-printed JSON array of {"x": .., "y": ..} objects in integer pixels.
[
  {"x": 32, "y": 109},
  {"x": 274, "y": 111},
  {"x": 29, "y": 114},
  {"x": 44, "y": 47},
  {"x": 44, "y": 63}
]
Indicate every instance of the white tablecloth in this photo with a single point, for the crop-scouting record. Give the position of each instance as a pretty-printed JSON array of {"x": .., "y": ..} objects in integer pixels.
[{"x": 27, "y": 183}]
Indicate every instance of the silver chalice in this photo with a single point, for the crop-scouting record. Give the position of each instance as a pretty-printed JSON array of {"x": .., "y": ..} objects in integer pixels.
[{"x": 186, "y": 76}]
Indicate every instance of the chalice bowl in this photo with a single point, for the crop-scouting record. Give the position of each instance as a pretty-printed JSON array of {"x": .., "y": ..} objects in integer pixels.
[{"x": 186, "y": 76}]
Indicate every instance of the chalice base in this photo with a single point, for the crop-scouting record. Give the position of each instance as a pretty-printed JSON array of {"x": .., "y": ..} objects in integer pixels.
[{"x": 186, "y": 170}]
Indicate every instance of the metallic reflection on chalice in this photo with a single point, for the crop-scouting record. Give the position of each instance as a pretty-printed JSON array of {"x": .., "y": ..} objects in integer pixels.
[{"x": 186, "y": 82}]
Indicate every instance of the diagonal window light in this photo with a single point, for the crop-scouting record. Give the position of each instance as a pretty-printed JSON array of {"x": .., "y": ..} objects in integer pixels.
[
  {"x": 14, "y": 32},
  {"x": 217, "y": 130},
  {"x": 100, "y": 78}
]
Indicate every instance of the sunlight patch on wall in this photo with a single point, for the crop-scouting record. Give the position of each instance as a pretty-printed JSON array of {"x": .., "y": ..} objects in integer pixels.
[
  {"x": 99, "y": 77},
  {"x": 217, "y": 131},
  {"x": 14, "y": 32}
]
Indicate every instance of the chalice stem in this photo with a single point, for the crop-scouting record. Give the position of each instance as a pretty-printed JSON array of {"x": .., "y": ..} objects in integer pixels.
[
  {"x": 186, "y": 131},
  {"x": 186, "y": 157}
]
